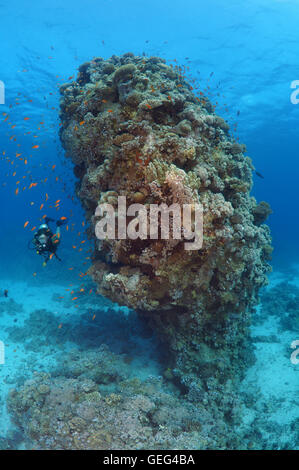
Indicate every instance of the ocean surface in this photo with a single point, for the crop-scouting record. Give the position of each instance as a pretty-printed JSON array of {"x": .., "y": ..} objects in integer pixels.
[{"x": 244, "y": 56}]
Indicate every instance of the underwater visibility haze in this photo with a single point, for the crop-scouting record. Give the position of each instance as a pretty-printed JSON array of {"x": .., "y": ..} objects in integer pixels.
[{"x": 149, "y": 264}]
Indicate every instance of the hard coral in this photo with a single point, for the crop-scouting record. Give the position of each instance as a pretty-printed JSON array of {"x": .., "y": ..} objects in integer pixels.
[
  {"x": 63, "y": 412},
  {"x": 133, "y": 127}
]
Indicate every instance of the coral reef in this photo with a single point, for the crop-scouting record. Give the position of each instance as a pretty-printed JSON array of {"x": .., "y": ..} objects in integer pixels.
[
  {"x": 80, "y": 407},
  {"x": 130, "y": 335},
  {"x": 282, "y": 301},
  {"x": 11, "y": 307},
  {"x": 134, "y": 127}
]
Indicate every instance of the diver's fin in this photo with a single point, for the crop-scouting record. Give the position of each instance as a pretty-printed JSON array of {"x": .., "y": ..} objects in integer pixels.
[
  {"x": 61, "y": 222},
  {"x": 48, "y": 219}
]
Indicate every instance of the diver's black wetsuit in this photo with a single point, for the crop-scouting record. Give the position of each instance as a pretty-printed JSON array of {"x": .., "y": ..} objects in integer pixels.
[{"x": 53, "y": 240}]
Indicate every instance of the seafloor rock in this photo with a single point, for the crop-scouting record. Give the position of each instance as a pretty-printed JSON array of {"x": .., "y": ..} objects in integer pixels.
[
  {"x": 282, "y": 302},
  {"x": 134, "y": 127},
  {"x": 80, "y": 407},
  {"x": 63, "y": 412}
]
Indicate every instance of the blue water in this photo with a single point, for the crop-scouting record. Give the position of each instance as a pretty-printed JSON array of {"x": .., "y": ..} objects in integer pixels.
[{"x": 245, "y": 56}]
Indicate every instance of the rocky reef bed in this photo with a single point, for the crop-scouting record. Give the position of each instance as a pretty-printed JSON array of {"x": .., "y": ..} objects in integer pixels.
[
  {"x": 70, "y": 390},
  {"x": 38, "y": 328},
  {"x": 95, "y": 404}
]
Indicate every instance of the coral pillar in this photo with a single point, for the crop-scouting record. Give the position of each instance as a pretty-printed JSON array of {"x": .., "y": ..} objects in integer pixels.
[{"x": 134, "y": 127}]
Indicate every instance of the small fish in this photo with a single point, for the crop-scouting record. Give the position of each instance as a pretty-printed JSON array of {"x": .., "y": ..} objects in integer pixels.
[
  {"x": 259, "y": 175},
  {"x": 5, "y": 293}
]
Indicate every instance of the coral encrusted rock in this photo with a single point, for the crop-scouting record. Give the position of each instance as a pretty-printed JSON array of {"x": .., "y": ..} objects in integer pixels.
[{"x": 134, "y": 127}]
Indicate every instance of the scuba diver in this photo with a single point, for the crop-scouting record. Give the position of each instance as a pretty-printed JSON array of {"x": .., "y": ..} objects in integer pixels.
[{"x": 45, "y": 242}]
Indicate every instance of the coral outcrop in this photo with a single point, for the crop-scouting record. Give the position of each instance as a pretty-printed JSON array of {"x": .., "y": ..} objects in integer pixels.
[
  {"x": 134, "y": 127},
  {"x": 91, "y": 411}
]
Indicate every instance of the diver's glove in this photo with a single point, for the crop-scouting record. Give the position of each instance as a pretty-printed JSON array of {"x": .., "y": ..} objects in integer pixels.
[{"x": 61, "y": 222}]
